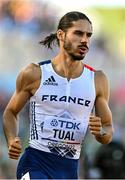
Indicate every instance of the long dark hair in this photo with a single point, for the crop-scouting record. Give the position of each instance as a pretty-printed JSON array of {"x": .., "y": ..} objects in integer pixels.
[{"x": 64, "y": 23}]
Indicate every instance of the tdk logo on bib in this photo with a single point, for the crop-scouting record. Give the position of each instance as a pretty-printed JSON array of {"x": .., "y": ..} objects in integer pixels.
[{"x": 51, "y": 81}]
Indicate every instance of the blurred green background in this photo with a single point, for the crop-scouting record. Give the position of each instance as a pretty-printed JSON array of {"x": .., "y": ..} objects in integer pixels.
[{"x": 23, "y": 23}]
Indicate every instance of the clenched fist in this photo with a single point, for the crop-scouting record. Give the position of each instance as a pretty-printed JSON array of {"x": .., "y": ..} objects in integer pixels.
[
  {"x": 14, "y": 148},
  {"x": 95, "y": 125}
]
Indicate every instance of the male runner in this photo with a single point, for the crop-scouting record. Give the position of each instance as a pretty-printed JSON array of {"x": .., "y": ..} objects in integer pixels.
[{"x": 62, "y": 93}]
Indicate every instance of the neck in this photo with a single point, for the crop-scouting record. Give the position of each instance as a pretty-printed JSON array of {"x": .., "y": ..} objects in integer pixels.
[{"x": 66, "y": 67}]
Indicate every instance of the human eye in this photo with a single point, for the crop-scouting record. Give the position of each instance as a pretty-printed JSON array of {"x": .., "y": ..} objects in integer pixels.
[
  {"x": 79, "y": 33},
  {"x": 89, "y": 34}
]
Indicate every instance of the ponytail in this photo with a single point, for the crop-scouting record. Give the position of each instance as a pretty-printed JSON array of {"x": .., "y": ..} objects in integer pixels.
[{"x": 49, "y": 40}]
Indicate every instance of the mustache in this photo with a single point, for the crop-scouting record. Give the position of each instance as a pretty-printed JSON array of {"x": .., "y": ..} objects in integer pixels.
[{"x": 83, "y": 46}]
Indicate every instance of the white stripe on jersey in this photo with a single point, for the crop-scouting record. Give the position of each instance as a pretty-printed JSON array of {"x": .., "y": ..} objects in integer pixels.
[{"x": 26, "y": 176}]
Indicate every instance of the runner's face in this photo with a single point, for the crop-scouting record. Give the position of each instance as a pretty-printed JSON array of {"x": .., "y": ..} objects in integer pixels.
[{"x": 77, "y": 39}]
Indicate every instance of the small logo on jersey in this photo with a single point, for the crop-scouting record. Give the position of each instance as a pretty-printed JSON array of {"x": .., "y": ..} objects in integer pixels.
[
  {"x": 50, "y": 81},
  {"x": 54, "y": 122}
]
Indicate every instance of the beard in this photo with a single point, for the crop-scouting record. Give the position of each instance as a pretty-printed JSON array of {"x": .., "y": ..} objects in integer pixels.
[{"x": 69, "y": 49}]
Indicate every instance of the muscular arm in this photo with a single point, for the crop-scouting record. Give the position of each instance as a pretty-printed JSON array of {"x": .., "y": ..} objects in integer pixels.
[
  {"x": 26, "y": 83},
  {"x": 103, "y": 120}
]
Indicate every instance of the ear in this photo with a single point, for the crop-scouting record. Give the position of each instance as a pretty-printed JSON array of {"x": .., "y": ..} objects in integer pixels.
[{"x": 60, "y": 35}]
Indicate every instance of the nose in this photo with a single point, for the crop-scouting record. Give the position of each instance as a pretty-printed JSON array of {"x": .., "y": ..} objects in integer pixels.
[{"x": 85, "y": 38}]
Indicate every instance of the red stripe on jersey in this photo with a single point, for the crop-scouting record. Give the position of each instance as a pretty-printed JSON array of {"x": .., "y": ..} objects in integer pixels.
[{"x": 89, "y": 67}]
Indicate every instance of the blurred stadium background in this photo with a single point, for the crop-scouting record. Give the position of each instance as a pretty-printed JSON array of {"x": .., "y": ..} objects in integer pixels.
[{"x": 23, "y": 23}]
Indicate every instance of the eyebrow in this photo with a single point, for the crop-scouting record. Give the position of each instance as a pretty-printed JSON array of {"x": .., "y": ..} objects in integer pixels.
[{"x": 79, "y": 31}]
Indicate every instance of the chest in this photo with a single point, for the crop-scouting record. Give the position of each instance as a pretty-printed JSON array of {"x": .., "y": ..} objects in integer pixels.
[{"x": 56, "y": 94}]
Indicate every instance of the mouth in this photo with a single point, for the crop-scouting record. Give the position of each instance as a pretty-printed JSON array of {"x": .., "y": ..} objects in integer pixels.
[{"x": 83, "y": 50}]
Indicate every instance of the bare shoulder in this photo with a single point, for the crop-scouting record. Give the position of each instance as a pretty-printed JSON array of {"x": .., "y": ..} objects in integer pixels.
[
  {"x": 101, "y": 78},
  {"x": 100, "y": 75},
  {"x": 101, "y": 83},
  {"x": 28, "y": 77},
  {"x": 29, "y": 73}
]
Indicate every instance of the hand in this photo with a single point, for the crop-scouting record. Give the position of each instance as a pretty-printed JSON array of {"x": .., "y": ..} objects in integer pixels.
[
  {"x": 14, "y": 148},
  {"x": 95, "y": 125}
]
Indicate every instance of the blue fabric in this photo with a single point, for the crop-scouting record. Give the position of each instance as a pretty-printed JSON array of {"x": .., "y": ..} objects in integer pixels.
[
  {"x": 38, "y": 174},
  {"x": 44, "y": 62},
  {"x": 47, "y": 165}
]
